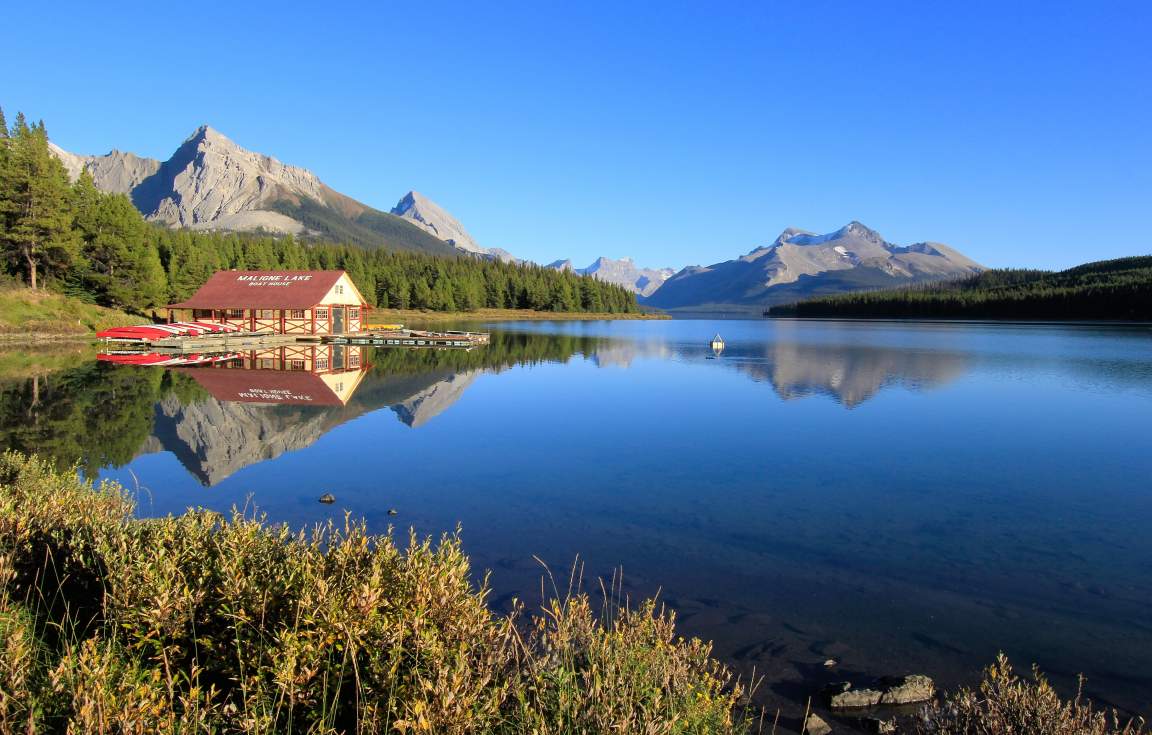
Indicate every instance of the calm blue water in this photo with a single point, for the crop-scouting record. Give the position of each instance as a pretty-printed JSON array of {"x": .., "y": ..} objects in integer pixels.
[{"x": 900, "y": 497}]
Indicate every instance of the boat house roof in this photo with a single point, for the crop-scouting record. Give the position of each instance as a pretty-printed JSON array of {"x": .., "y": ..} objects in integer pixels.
[{"x": 264, "y": 290}]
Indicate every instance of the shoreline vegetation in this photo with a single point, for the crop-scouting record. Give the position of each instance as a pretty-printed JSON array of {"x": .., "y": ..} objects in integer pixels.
[
  {"x": 1117, "y": 290},
  {"x": 206, "y": 623},
  {"x": 28, "y": 314},
  {"x": 43, "y": 315},
  {"x": 202, "y": 623}
]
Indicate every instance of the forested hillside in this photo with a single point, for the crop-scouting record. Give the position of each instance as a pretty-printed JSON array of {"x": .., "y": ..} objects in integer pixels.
[
  {"x": 1118, "y": 289},
  {"x": 95, "y": 246}
]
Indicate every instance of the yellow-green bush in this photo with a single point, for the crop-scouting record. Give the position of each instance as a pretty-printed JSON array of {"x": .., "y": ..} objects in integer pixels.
[
  {"x": 202, "y": 623},
  {"x": 1007, "y": 704}
]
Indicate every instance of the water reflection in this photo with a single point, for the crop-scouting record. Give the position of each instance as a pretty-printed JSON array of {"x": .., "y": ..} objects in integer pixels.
[
  {"x": 219, "y": 414},
  {"x": 850, "y": 374},
  {"x": 255, "y": 407},
  {"x": 311, "y": 375}
]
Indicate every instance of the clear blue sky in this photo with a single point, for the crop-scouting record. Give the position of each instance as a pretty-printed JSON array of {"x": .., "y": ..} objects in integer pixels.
[{"x": 678, "y": 133}]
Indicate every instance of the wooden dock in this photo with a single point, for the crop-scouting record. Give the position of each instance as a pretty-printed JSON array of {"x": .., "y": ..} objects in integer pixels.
[
  {"x": 410, "y": 338},
  {"x": 239, "y": 341}
]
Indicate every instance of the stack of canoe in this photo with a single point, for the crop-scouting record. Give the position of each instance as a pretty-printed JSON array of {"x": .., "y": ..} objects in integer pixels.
[
  {"x": 159, "y": 359},
  {"x": 147, "y": 332}
]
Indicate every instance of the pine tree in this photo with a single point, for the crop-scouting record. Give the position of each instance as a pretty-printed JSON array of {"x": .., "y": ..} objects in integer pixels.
[
  {"x": 35, "y": 197},
  {"x": 122, "y": 262},
  {"x": 3, "y": 125},
  {"x": 192, "y": 260}
]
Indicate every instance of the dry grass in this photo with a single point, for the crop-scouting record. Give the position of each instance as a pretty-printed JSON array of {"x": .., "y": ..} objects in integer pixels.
[
  {"x": 202, "y": 623},
  {"x": 1007, "y": 704},
  {"x": 26, "y": 312}
]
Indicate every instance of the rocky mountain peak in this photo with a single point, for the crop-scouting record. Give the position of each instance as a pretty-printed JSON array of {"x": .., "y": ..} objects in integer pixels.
[
  {"x": 420, "y": 210},
  {"x": 622, "y": 272},
  {"x": 210, "y": 181},
  {"x": 859, "y": 230},
  {"x": 414, "y": 198},
  {"x": 204, "y": 131},
  {"x": 789, "y": 233},
  {"x": 854, "y": 231},
  {"x": 205, "y": 137}
]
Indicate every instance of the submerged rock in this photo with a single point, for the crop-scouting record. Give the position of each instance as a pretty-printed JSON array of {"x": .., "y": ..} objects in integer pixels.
[
  {"x": 894, "y": 691},
  {"x": 908, "y": 690},
  {"x": 815, "y": 725},
  {"x": 855, "y": 699}
]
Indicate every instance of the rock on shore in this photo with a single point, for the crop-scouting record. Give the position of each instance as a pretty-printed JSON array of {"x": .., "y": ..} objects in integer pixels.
[
  {"x": 894, "y": 691},
  {"x": 908, "y": 690},
  {"x": 815, "y": 725}
]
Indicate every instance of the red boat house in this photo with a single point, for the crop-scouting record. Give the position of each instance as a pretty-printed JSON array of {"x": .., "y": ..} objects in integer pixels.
[{"x": 279, "y": 302}]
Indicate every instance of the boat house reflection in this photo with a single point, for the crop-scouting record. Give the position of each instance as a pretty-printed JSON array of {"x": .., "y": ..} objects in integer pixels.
[{"x": 297, "y": 375}]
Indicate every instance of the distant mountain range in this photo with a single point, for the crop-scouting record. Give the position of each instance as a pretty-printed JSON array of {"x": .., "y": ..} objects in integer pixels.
[
  {"x": 211, "y": 183},
  {"x": 802, "y": 264},
  {"x": 623, "y": 272}
]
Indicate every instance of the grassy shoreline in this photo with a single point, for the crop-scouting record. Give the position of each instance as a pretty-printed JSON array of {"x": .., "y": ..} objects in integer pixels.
[{"x": 27, "y": 314}]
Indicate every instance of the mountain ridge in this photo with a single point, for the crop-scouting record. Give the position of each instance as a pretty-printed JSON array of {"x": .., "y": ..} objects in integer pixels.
[
  {"x": 622, "y": 272},
  {"x": 212, "y": 183},
  {"x": 800, "y": 263},
  {"x": 427, "y": 214}
]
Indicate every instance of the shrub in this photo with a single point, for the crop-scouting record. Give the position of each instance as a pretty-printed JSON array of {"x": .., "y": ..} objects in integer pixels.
[
  {"x": 206, "y": 623},
  {"x": 1006, "y": 704}
]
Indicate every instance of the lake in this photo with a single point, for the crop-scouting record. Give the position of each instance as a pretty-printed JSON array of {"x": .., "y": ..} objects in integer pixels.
[{"x": 899, "y": 497}]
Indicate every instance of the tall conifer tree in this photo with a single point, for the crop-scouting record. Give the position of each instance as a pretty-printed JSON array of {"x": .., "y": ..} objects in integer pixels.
[{"x": 35, "y": 198}]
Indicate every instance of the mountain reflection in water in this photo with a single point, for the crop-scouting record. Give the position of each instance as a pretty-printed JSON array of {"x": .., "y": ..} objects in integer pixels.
[
  {"x": 850, "y": 374},
  {"x": 219, "y": 418}
]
